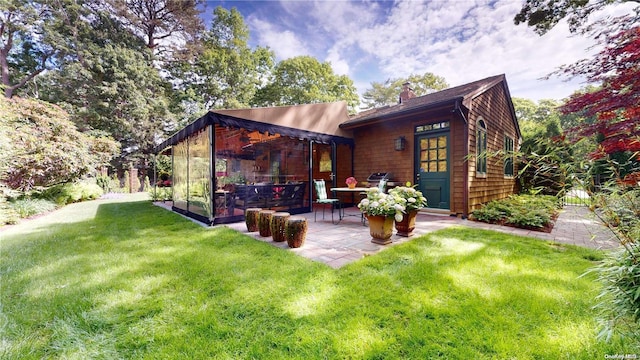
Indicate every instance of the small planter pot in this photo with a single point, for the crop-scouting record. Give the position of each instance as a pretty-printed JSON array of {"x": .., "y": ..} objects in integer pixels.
[
  {"x": 408, "y": 224},
  {"x": 380, "y": 228},
  {"x": 278, "y": 224},
  {"x": 251, "y": 217},
  {"x": 295, "y": 231},
  {"x": 264, "y": 222}
]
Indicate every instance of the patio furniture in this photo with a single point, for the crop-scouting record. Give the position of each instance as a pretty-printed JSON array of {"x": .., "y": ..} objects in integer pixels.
[
  {"x": 295, "y": 231},
  {"x": 355, "y": 190},
  {"x": 323, "y": 199},
  {"x": 251, "y": 217},
  {"x": 264, "y": 222},
  {"x": 278, "y": 222}
]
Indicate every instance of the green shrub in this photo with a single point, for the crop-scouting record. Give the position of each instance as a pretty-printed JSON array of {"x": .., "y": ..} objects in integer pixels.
[
  {"x": 30, "y": 207},
  {"x": 536, "y": 218},
  {"x": 8, "y": 215},
  {"x": 520, "y": 210},
  {"x": 620, "y": 298},
  {"x": 104, "y": 182},
  {"x": 158, "y": 193},
  {"x": 73, "y": 192}
]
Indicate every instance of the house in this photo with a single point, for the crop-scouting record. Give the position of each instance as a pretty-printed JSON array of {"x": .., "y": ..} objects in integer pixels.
[
  {"x": 456, "y": 145},
  {"x": 451, "y": 144}
]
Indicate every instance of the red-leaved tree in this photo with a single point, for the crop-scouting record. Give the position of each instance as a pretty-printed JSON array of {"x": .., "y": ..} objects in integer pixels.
[{"x": 616, "y": 104}]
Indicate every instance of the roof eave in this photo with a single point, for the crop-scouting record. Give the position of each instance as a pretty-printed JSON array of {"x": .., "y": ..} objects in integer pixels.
[{"x": 348, "y": 125}]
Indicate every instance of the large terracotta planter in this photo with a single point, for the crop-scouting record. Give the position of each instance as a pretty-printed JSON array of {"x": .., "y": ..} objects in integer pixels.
[
  {"x": 408, "y": 224},
  {"x": 380, "y": 228},
  {"x": 295, "y": 231}
]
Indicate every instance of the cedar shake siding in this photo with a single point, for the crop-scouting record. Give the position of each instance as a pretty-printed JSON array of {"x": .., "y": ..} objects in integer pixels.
[
  {"x": 492, "y": 107},
  {"x": 374, "y": 132}
]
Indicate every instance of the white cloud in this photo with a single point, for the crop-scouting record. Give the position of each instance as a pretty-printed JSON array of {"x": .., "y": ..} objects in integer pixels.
[
  {"x": 285, "y": 43},
  {"x": 460, "y": 40}
]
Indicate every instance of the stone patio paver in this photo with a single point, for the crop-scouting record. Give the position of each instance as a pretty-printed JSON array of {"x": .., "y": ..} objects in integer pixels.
[{"x": 339, "y": 245}]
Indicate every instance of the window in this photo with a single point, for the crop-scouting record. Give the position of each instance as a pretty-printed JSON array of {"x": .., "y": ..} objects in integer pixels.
[
  {"x": 481, "y": 147},
  {"x": 508, "y": 156}
]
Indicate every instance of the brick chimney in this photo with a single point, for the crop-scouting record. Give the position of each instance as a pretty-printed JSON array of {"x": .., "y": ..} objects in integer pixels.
[{"x": 407, "y": 92}]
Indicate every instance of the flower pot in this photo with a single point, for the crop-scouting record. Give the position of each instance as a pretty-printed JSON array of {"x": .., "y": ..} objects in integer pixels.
[
  {"x": 251, "y": 219},
  {"x": 408, "y": 224},
  {"x": 295, "y": 231},
  {"x": 351, "y": 186},
  {"x": 380, "y": 228}
]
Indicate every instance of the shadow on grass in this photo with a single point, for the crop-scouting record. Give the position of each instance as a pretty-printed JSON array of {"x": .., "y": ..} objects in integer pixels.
[{"x": 138, "y": 281}]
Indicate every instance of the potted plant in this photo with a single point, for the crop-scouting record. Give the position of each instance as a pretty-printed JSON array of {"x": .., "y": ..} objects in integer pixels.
[
  {"x": 381, "y": 210},
  {"x": 351, "y": 182},
  {"x": 412, "y": 200}
]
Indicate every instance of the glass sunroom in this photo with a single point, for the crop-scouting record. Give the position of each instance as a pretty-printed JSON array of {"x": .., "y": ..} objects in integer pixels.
[{"x": 231, "y": 160}]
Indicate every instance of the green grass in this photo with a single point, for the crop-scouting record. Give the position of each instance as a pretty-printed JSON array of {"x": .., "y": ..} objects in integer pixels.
[{"x": 115, "y": 279}]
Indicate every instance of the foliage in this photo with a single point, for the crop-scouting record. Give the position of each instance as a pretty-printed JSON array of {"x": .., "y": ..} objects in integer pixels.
[
  {"x": 381, "y": 94},
  {"x": 226, "y": 72},
  {"x": 615, "y": 103},
  {"x": 72, "y": 192},
  {"x": 379, "y": 203},
  {"x": 408, "y": 197},
  {"x": 29, "y": 207},
  {"x": 46, "y": 147},
  {"x": 162, "y": 23},
  {"x": 544, "y": 15},
  {"x": 131, "y": 280},
  {"x": 526, "y": 211},
  {"x": 305, "y": 80},
  {"x": 26, "y": 45},
  {"x": 545, "y": 164},
  {"x": 114, "y": 89},
  {"x": 158, "y": 193},
  {"x": 620, "y": 298}
]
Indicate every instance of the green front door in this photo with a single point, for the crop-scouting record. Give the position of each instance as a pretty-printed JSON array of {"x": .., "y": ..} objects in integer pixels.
[{"x": 432, "y": 168}]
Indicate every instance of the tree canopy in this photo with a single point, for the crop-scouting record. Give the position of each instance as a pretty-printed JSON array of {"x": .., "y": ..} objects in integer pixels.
[
  {"x": 44, "y": 147},
  {"x": 227, "y": 72},
  {"x": 544, "y": 15},
  {"x": 304, "y": 80},
  {"x": 386, "y": 93},
  {"x": 616, "y": 103}
]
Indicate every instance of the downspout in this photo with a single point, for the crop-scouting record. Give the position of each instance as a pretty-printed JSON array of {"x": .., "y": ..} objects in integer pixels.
[{"x": 465, "y": 213}]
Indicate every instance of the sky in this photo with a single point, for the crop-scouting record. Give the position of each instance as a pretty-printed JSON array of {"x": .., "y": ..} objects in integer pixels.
[{"x": 460, "y": 40}]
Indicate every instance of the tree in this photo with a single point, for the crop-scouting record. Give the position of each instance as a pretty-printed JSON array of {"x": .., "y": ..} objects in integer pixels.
[
  {"x": 163, "y": 24},
  {"x": 227, "y": 71},
  {"x": 113, "y": 87},
  {"x": 44, "y": 146},
  {"x": 387, "y": 93},
  {"x": 616, "y": 103},
  {"x": 24, "y": 51},
  {"x": 544, "y": 15},
  {"x": 544, "y": 162},
  {"x": 304, "y": 80}
]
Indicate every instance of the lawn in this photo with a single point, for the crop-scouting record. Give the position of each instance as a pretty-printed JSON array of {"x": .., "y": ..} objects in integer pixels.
[{"x": 115, "y": 279}]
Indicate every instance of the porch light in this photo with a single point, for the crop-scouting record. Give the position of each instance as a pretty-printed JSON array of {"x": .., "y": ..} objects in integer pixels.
[{"x": 399, "y": 143}]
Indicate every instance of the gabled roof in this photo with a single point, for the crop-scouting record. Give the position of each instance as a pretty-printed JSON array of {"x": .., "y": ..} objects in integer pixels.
[
  {"x": 317, "y": 122},
  {"x": 323, "y": 118},
  {"x": 462, "y": 94}
]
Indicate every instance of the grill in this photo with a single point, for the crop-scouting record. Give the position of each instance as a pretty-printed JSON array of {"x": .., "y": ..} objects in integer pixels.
[{"x": 375, "y": 178}]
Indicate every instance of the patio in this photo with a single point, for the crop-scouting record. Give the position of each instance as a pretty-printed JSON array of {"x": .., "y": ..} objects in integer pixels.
[{"x": 349, "y": 240}]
